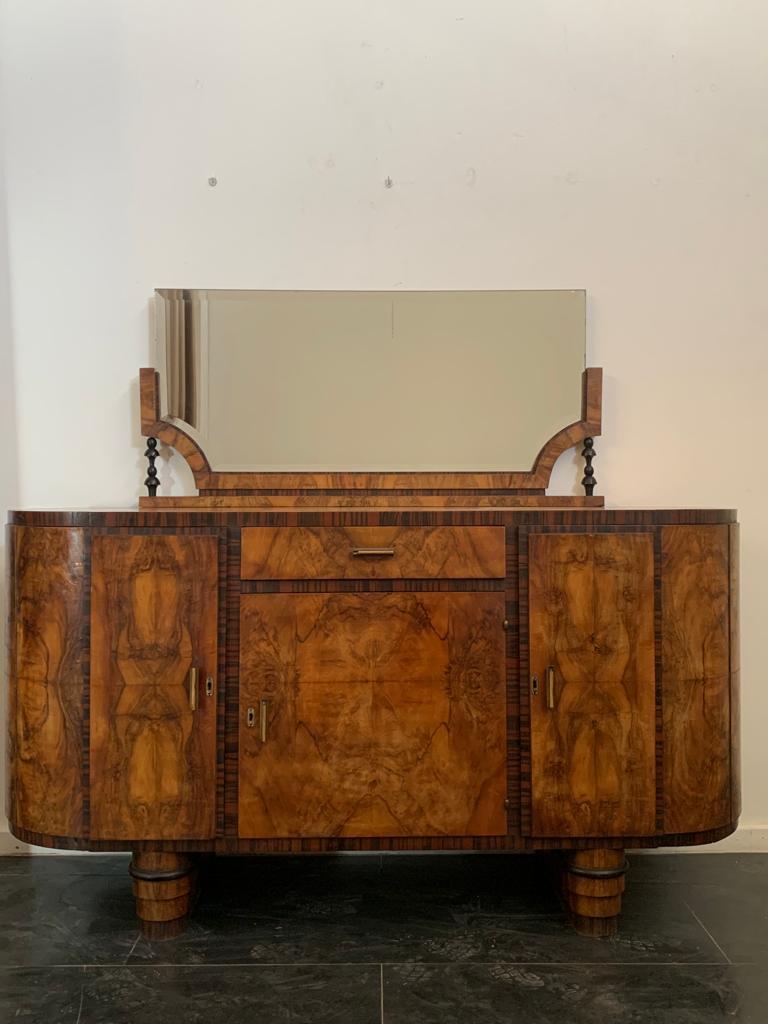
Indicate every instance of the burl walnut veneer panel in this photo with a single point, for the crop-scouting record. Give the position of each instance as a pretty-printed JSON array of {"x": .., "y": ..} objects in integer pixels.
[
  {"x": 696, "y": 677},
  {"x": 591, "y": 619},
  {"x": 153, "y": 617},
  {"x": 47, "y": 639},
  {"x": 386, "y": 715},
  {"x": 418, "y": 552},
  {"x": 735, "y": 652}
]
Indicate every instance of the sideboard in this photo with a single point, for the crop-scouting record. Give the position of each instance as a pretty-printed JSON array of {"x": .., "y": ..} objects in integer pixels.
[
  {"x": 250, "y": 679},
  {"x": 372, "y": 657}
]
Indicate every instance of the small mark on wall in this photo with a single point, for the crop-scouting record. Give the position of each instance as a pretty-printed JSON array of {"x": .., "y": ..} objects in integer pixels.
[
  {"x": 388, "y": 183},
  {"x": 378, "y": 85},
  {"x": 213, "y": 182},
  {"x": 471, "y": 177}
]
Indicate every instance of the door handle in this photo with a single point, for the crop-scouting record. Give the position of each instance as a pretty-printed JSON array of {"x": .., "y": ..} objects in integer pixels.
[
  {"x": 192, "y": 681},
  {"x": 263, "y": 708},
  {"x": 550, "y": 687},
  {"x": 372, "y": 552},
  {"x": 250, "y": 718}
]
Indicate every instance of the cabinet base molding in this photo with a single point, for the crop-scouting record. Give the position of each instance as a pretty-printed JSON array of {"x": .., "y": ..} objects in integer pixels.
[{"x": 236, "y": 847}]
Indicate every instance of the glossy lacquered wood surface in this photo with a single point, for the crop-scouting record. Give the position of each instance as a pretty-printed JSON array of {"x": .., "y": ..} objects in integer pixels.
[
  {"x": 696, "y": 659},
  {"x": 735, "y": 664},
  {"x": 47, "y": 668},
  {"x": 312, "y": 502},
  {"x": 534, "y": 479},
  {"x": 72, "y": 569},
  {"x": 153, "y": 618},
  {"x": 526, "y": 518},
  {"x": 373, "y": 552},
  {"x": 385, "y": 715},
  {"x": 593, "y": 735}
]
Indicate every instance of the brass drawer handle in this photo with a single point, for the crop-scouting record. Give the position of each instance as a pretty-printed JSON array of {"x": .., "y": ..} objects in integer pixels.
[
  {"x": 193, "y": 676},
  {"x": 374, "y": 552},
  {"x": 550, "y": 687}
]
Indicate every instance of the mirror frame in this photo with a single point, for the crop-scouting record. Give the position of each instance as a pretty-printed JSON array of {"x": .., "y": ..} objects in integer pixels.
[{"x": 531, "y": 483}]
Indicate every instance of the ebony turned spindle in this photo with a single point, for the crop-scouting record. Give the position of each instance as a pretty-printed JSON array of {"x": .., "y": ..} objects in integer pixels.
[
  {"x": 151, "y": 483},
  {"x": 588, "y": 453}
]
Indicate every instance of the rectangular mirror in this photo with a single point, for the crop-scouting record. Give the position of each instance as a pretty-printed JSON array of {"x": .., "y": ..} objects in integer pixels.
[{"x": 294, "y": 381}]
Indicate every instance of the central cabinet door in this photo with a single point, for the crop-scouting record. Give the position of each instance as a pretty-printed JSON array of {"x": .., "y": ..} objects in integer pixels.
[
  {"x": 375, "y": 714},
  {"x": 593, "y": 684}
]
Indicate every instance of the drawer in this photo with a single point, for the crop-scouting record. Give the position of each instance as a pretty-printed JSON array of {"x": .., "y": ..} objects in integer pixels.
[{"x": 372, "y": 552}]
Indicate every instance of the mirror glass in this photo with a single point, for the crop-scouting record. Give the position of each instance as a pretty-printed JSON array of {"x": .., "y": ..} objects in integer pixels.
[{"x": 370, "y": 381}]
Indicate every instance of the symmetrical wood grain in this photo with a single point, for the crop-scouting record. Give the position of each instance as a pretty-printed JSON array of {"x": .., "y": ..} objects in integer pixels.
[
  {"x": 443, "y": 552},
  {"x": 71, "y": 830},
  {"x": 386, "y": 715},
  {"x": 696, "y": 677},
  {"x": 536, "y": 478},
  {"x": 47, "y": 637},
  {"x": 591, "y": 619},
  {"x": 153, "y": 617}
]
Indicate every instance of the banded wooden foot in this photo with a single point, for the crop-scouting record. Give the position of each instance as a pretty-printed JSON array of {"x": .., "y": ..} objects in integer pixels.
[
  {"x": 164, "y": 888},
  {"x": 593, "y": 881}
]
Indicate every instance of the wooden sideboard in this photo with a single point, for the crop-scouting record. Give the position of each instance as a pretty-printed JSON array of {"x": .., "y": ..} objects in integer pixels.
[{"x": 404, "y": 678}]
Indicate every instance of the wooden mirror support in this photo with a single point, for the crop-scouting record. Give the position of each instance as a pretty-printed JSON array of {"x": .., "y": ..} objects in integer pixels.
[{"x": 514, "y": 488}]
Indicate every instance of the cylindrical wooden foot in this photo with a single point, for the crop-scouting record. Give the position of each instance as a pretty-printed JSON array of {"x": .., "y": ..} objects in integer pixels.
[
  {"x": 593, "y": 884},
  {"x": 164, "y": 888}
]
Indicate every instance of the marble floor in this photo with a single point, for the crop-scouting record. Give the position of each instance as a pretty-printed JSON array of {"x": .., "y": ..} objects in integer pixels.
[{"x": 405, "y": 939}]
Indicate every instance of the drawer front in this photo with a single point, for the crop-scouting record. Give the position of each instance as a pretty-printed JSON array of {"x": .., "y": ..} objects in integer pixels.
[{"x": 372, "y": 552}]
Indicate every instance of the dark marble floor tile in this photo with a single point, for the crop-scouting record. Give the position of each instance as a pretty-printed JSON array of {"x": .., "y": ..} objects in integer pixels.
[
  {"x": 371, "y": 909},
  {"x": 42, "y": 996},
  {"x": 57, "y": 864},
  {"x": 735, "y": 916},
  {"x": 502, "y": 993},
  {"x": 729, "y": 869},
  {"x": 727, "y": 892},
  {"x": 454, "y": 913},
  {"x": 230, "y": 995},
  {"x": 52, "y": 917},
  {"x": 169, "y": 995}
]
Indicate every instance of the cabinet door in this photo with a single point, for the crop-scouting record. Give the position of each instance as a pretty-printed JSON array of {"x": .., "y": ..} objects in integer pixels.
[
  {"x": 153, "y": 618},
  {"x": 372, "y": 715},
  {"x": 593, "y": 726}
]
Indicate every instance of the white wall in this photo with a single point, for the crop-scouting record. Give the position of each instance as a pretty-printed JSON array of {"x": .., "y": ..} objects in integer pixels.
[{"x": 617, "y": 147}]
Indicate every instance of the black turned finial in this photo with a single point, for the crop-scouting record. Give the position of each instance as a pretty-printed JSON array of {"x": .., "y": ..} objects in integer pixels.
[
  {"x": 151, "y": 483},
  {"x": 588, "y": 453}
]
